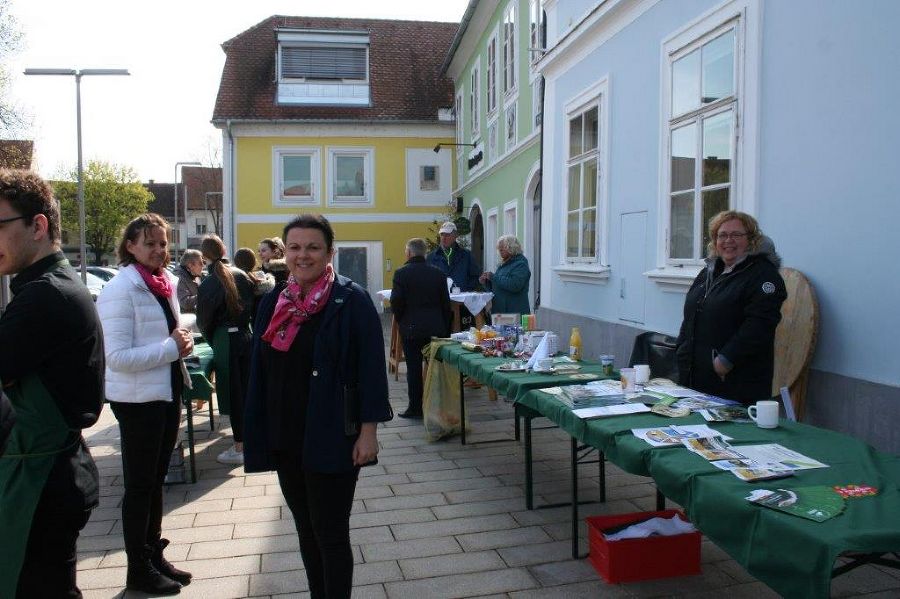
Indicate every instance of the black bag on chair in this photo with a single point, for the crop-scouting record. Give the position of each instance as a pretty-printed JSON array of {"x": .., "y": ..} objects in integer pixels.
[{"x": 657, "y": 350}]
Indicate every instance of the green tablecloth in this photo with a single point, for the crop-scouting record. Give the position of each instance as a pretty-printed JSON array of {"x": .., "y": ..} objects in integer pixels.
[
  {"x": 511, "y": 384},
  {"x": 203, "y": 388},
  {"x": 792, "y": 555}
]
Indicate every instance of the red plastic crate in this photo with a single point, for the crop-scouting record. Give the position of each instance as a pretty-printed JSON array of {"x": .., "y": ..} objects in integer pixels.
[{"x": 630, "y": 560}]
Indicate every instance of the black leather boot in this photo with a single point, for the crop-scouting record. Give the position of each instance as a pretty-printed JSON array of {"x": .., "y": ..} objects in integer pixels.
[
  {"x": 143, "y": 576},
  {"x": 162, "y": 564}
]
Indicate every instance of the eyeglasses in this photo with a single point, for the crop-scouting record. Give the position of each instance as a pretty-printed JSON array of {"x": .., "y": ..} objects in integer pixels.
[
  {"x": 734, "y": 235},
  {"x": 3, "y": 221}
]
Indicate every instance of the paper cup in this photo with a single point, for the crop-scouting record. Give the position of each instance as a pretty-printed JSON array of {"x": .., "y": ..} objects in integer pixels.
[
  {"x": 628, "y": 379},
  {"x": 641, "y": 374}
]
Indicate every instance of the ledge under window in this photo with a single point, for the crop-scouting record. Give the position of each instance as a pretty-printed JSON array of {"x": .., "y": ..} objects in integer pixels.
[
  {"x": 674, "y": 278},
  {"x": 574, "y": 273}
]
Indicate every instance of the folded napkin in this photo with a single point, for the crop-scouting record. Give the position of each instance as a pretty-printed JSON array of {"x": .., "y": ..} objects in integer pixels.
[{"x": 540, "y": 352}]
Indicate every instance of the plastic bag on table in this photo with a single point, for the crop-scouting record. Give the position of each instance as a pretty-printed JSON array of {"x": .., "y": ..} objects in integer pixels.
[{"x": 440, "y": 396}]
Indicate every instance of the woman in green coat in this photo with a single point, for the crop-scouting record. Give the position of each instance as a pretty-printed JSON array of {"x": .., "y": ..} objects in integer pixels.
[{"x": 510, "y": 282}]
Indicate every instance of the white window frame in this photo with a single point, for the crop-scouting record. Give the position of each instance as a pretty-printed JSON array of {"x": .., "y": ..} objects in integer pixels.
[
  {"x": 315, "y": 170},
  {"x": 583, "y": 269},
  {"x": 510, "y": 51},
  {"x": 510, "y": 217},
  {"x": 677, "y": 275},
  {"x": 492, "y": 69},
  {"x": 474, "y": 98},
  {"x": 368, "y": 155},
  {"x": 491, "y": 233},
  {"x": 536, "y": 108},
  {"x": 536, "y": 21},
  {"x": 201, "y": 221}
]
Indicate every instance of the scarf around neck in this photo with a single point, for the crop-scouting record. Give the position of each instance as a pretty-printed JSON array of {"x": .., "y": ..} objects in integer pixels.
[
  {"x": 157, "y": 282},
  {"x": 291, "y": 311}
]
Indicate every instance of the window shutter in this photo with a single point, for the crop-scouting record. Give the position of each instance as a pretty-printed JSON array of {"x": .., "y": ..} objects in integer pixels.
[{"x": 323, "y": 63}]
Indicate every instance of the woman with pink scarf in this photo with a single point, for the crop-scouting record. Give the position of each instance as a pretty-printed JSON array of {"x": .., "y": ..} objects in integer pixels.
[
  {"x": 318, "y": 389},
  {"x": 144, "y": 379}
]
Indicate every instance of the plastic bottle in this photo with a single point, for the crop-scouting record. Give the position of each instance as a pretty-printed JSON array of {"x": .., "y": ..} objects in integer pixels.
[{"x": 575, "y": 348}]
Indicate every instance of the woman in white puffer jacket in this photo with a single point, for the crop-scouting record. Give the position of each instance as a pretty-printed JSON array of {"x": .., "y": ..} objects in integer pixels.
[{"x": 144, "y": 380}]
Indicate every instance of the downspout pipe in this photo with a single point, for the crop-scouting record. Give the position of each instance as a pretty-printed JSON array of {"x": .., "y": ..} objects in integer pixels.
[
  {"x": 537, "y": 255},
  {"x": 232, "y": 229}
]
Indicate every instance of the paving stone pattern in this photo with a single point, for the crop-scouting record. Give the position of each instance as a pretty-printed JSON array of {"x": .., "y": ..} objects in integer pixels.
[{"x": 430, "y": 520}]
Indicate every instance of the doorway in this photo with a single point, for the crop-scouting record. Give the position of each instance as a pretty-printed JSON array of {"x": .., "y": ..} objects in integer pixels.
[{"x": 476, "y": 237}]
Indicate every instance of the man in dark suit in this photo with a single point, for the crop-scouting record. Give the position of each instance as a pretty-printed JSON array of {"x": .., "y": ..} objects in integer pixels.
[{"x": 421, "y": 305}]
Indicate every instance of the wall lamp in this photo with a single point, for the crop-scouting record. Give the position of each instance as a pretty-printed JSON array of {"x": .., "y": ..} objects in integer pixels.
[{"x": 437, "y": 148}]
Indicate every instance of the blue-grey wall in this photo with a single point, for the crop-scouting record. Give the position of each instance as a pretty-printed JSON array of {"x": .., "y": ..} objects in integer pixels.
[{"x": 828, "y": 184}]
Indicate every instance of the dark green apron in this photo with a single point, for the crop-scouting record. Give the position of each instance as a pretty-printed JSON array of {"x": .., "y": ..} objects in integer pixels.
[
  {"x": 221, "y": 345},
  {"x": 39, "y": 435}
]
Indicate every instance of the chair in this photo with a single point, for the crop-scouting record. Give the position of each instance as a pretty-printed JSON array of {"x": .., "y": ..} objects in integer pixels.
[
  {"x": 395, "y": 355},
  {"x": 795, "y": 338},
  {"x": 657, "y": 350}
]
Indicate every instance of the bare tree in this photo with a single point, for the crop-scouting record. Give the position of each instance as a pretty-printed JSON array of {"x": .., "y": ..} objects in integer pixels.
[
  {"x": 210, "y": 179},
  {"x": 12, "y": 120}
]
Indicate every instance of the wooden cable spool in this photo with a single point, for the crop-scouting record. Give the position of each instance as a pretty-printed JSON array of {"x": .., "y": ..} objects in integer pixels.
[{"x": 795, "y": 338}]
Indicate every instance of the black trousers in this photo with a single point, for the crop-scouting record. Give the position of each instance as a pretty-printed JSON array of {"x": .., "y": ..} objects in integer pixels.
[
  {"x": 239, "y": 365},
  {"x": 148, "y": 431},
  {"x": 50, "y": 557},
  {"x": 321, "y": 506},
  {"x": 412, "y": 350}
]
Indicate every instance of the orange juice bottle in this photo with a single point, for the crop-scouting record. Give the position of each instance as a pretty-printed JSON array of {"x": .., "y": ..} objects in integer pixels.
[{"x": 575, "y": 347}]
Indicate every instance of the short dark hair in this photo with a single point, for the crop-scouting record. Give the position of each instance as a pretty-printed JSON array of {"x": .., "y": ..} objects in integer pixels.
[
  {"x": 29, "y": 195},
  {"x": 245, "y": 259},
  {"x": 312, "y": 221},
  {"x": 133, "y": 230}
]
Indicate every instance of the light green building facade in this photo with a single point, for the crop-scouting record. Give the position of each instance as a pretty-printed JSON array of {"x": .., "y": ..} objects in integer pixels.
[{"x": 498, "y": 114}]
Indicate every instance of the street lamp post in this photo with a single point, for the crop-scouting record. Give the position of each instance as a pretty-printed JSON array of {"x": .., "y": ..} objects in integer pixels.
[
  {"x": 175, "y": 201},
  {"x": 78, "y": 74}
]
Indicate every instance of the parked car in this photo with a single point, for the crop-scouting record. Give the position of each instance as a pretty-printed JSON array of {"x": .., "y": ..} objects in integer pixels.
[
  {"x": 94, "y": 284},
  {"x": 104, "y": 272}
]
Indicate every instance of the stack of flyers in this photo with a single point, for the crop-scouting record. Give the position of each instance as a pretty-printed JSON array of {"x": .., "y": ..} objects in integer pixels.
[
  {"x": 588, "y": 396},
  {"x": 749, "y": 471},
  {"x": 652, "y": 398},
  {"x": 667, "y": 436},
  {"x": 674, "y": 391},
  {"x": 703, "y": 402},
  {"x": 669, "y": 411},
  {"x": 726, "y": 414},
  {"x": 712, "y": 448}
]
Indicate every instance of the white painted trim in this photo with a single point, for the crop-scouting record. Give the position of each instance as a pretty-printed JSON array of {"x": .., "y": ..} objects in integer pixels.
[
  {"x": 368, "y": 154},
  {"x": 531, "y": 183},
  {"x": 573, "y": 274},
  {"x": 315, "y": 172},
  {"x": 343, "y": 217},
  {"x": 490, "y": 238},
  {"x": 515, "y": 46},
  {"x": 746, "y": 154},
  {"x": 596, "y": 28},
  {"x": 475, "y": 98},
  {"x": 358, "y": 130},
  {"x": 495, "y": 36},
  {"x": 524, "y": 144},
  {"x": 674, "y": 279}
]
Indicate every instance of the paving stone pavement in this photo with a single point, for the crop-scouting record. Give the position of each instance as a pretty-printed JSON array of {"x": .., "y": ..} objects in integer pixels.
[{"x": 430, "y": 520}]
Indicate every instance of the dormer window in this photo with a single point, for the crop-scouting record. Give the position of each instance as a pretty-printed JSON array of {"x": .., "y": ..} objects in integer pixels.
[{"x": 327, "y": 68}]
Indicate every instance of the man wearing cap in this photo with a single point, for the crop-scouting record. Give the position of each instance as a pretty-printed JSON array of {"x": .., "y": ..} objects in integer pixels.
[{"x": 453, "y": 260}]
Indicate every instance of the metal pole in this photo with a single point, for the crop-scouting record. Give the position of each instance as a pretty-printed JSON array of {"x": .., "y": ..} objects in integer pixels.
[
  {"x": 81, "y": 225},
  {"x": 175, "y": 209}
]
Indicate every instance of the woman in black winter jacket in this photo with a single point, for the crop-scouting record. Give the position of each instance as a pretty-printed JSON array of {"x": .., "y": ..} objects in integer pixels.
[{"x": 726, "y": 343}]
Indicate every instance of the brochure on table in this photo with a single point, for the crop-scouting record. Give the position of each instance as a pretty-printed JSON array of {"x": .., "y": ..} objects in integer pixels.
[
  {"x": 818, "y": 503},
  {"x": 752, "y": 462},
  {"x": 671, "y": 435}
]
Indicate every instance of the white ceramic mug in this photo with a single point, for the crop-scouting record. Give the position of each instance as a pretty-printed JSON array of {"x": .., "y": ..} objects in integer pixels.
[
  {"x": 628, "y": 376},
  {"x": 455, "y": 290},
  {"x": 764, "y": 414},
  {"x": 641, "y": 374}
]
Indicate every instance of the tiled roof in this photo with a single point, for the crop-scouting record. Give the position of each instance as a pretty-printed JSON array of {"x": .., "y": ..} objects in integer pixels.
[
  {"x": 198, "y": 180},
  {"x": 16, "y": 153},
  {"x": 163, "y": 194},
  {"x": 404, "y": 65}
]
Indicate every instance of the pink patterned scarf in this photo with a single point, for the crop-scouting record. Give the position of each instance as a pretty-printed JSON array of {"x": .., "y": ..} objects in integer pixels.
[
  {"x": 158, "y": 282},
  {"x": 291, "y": 311}
]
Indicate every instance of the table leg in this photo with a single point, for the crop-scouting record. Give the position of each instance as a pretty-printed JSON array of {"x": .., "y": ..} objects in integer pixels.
[
  {"x": 529, "y": 480},
  {"x": 518, "y": 425},
  {"x": 190, "y": 435},
  {"x": 601, "y": 459},
  {"x": 462, "y": 410},
  {"x": 457, "y": 321},
  {"x": 574, "y": 453},
  {"x": 479, "y": 320},
  {"x": 660, "y": 501}
]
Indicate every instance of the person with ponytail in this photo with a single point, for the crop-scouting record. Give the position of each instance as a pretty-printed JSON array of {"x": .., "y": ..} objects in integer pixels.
[
  {"x": 145, "y": 376},
  {"x": 224, "y": 305},
  {"x": 318, "y": 389}
]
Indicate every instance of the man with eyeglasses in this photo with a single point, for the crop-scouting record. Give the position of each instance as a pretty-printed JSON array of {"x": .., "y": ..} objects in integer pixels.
[
  {"x": 51, "y": 368},
  {"x": 726, "y": 346}
]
